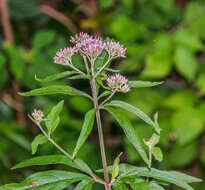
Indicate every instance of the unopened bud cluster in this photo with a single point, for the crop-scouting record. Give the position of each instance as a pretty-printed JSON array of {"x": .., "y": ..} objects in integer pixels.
[
  {"x": 38, "y": 115},
  {"x": 89, "y": 46},
  {"x": 118, "y": 82}
]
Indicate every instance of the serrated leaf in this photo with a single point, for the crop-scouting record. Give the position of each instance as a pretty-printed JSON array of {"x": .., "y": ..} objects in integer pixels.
[
  {"x": 55, "y": 76},
  {"x": 86, "y": 129},
  {"x": 50, "y": 159},
  {"x": 38, "y": 140},
  {"x": 157, "y": 153},
  {"x": 55, "y": 89},
  {"x": 47, "y": 180},
  {"x": 129, "y": 131},
  {"x": 85, "y": 185},
  {"x": 115, "y": 170},
  {"x": 141, "y": 84},
  {"x": 136, "y": 111},
  {"x": 53, "y": 119}
]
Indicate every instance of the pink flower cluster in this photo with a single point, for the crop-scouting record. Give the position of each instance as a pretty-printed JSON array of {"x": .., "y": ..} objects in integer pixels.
[
  {"x": 79, "y": 37},
  {"x": 89, "y": 46},
  {"x": 38, "y": 115},
  {"x": 118, "y": 82},
  {"x": 63, "y": 56},
  {"x": 114, "y": 49}
]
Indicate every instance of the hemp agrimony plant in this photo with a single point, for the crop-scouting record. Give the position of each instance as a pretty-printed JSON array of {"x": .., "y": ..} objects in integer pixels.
[{"x": 97, "y": 56}]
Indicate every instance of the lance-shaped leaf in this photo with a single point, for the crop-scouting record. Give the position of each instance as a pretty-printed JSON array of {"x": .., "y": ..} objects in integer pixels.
[
  {"x": 53, "y": 119},
  {"x": 40, "y": 139},
  {"x": 55, "y": 89},
  {"x": 55, "y": 76},
  {"x": 129, "y": 131},
  {"x": 141, "y": 84},
  {"x": 166, "y": 176},
  {"x": 136, "y": 111},
  {"x": 53, "y": 179},
  {"x": 105, "y": 93},
  {"x": 86, "y": 129},
  {"x": 115, "y": 170},
  {"x": 50, "y": 159},
  {"x": 85, "y": 185},
  {"x": 80, "y": 77},
  {"x": 130, "y": 170}
]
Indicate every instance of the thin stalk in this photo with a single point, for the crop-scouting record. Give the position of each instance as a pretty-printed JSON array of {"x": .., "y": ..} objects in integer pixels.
[
  {"x": 96, "y": 178},
  {"x": 86, "y": 63},
  {"x": 102, "y": 68},
  {"x": 100, "y": 134},
  {"x": 108, "y": 98},
  {"x": 76, "y": 69}
]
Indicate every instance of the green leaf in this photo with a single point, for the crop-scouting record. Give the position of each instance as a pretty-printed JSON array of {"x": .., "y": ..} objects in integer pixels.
[
  {"x": 55, "y": 76},
  {"x": 186, "y": 62},
  {"x": 43, "y": 38},
  {"x": 53, "y": 119},
  {"x": 115, "y": 170},
  {"x": 157, "y": 153},
  {"x": 53, "y": 179},
  {"x": 85, "y": 185},
  {"x": 80, "y": 77},
  {"x": 127, "y": 169},
  {"x": 146, "y": 186},
  {"x": 50, "y": 159},
  {"x": 141, "y": 84},
  {"x": 40, "y": 139},
  {"x": 112, "y": 70},
  {"x": 105, "y": 93},
  {"x": 188, "y": 39},
  {"x": 174, "y": 178},
  {"x": 119, "y": 186},
  {"x": 134, "y": 110},
  {"x": 86, "y": 129},
  {"x": 129, "y": 131},
  {"x": 55, "y": 89}
]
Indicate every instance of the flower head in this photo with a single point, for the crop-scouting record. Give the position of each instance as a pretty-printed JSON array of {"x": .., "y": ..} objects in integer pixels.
[
  {"x": 114, "y": 49},
  {"x": 38, "y": 115},
  {"x": 63, "y": 56},
  {"x": 90, "y": 47},
  {"x": 118, "y": 82},
  {"x": 79, "y": 37}
]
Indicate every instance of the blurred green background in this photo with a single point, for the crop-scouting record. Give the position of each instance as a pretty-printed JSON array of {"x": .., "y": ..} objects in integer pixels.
[{"x": 165, "y": 40}]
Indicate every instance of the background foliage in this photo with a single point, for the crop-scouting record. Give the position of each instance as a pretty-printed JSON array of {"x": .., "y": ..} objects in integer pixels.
[{"x": 164, "y": 40}]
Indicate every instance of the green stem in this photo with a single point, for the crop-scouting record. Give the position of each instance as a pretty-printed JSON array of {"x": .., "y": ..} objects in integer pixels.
[{"x": 100, "y": 134}]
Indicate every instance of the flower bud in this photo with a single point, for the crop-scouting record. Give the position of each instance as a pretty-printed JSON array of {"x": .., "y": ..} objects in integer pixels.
[
  {"x": 79, "y": 37},
  {"x": 118, "y": 82},
  {"x": 63, "y": 56},
  {"x": 38, "y": 115},
  {"x": 114, "y": 49}
]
